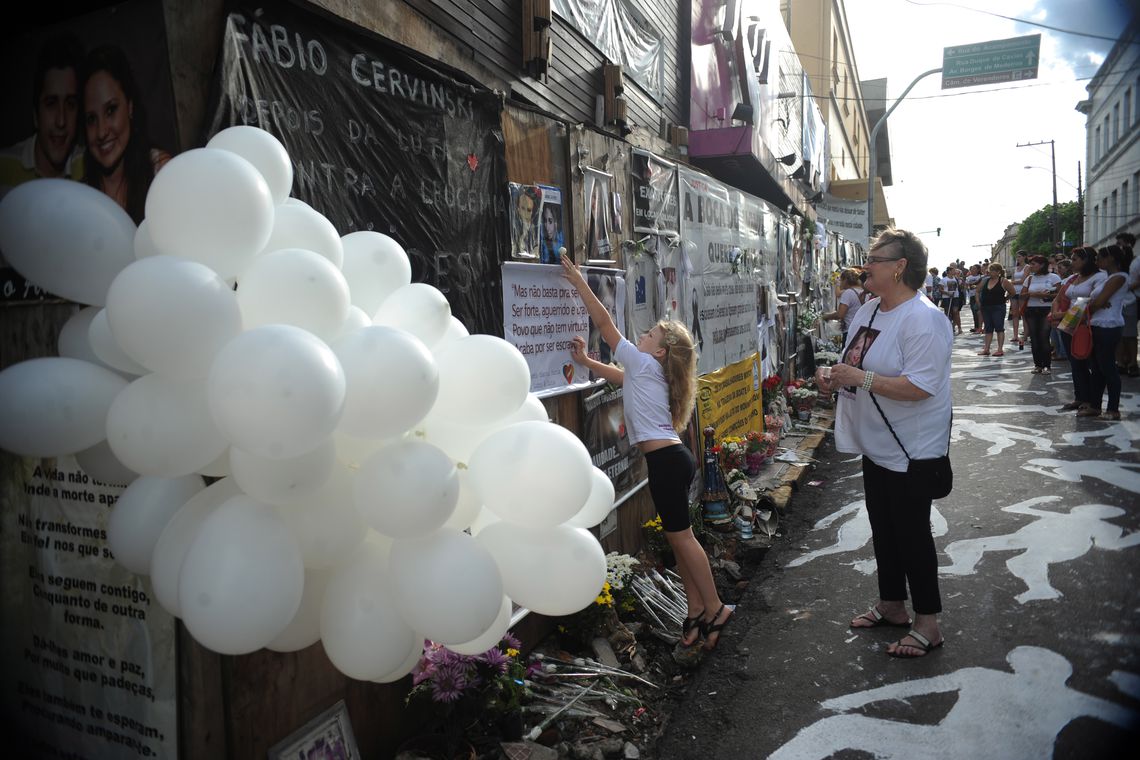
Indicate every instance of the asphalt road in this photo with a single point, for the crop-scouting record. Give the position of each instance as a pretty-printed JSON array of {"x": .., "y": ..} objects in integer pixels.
[{"x": 1039, "y": 549}]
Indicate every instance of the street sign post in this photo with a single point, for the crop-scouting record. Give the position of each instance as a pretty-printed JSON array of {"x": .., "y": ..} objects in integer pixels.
[{"x": 990, "y": 62}]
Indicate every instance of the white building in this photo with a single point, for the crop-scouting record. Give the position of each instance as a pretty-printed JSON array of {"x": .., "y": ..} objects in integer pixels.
[{"x": 1112, "y": 202}]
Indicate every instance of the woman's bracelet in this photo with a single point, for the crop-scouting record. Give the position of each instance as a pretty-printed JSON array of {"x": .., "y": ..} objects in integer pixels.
[{"x": 868, "y": 378}]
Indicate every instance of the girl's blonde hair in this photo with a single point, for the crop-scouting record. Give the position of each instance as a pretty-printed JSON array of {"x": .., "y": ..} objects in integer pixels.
[{"x": 680, "y": 364}]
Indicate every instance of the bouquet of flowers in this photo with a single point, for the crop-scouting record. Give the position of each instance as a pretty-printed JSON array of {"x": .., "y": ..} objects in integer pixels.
[
  {"x": 803, "y": 395},
  {"x": 772, "y": 441},
  {"x": 465, "y": 690},
  {"x": 770, "y": 389},
  {"x": 806, "y": 320},
  {"x": 732, "y": 453},
  {"x": 826, "y": 358},
  {"x": 754, "y": 441}
]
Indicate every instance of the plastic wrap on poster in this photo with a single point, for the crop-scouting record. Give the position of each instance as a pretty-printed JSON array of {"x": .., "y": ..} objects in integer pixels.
[
  {"x": 381, "y": 140},
  {"x": 605, "y": 436}
]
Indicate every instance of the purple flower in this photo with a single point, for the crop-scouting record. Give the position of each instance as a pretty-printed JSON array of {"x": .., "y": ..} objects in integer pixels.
[
  {"x": 449, "y": 683},
  {"x": 511, "y": 641},
  {"x": 495, "y": 660}
]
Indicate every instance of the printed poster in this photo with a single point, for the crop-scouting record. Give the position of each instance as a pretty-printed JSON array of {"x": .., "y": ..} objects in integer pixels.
[
  {"x": 552, "y": 237},
  {"x": 606, "y": 439},
  {"x": 526, "y": 204},
  {"x": 599, "y": 221},
  {"x": 542, "y": 312}
]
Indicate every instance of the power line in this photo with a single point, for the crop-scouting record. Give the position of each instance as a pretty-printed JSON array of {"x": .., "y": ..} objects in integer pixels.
[{"x": 1018, "y": 20}]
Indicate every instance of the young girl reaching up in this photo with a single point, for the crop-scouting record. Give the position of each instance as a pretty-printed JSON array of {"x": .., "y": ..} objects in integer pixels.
[{"x": 659, "y": 378}]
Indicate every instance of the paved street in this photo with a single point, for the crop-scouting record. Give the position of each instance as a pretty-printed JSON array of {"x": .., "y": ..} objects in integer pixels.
[{"x": 1038, "y": 545}]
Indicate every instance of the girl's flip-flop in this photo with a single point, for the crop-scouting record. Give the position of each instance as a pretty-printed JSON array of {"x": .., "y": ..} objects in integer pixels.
[{"x": 923, "y": 644}]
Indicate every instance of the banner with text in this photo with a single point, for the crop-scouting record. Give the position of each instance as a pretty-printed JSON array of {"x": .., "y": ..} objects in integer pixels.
[
  {"x": 730, "y": 400},
  {"x": 654, "y": 183},
  {"x": 605, "y": 436},
  {"x": 848, "y": 218},
  {"x": 723, "y": 228},
  {"x": 87, "y": 654},
  {"x": 380, "y": 140}
]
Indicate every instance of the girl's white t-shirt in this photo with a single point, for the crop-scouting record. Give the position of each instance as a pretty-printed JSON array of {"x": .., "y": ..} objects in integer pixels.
[
  {"x": 1018, "y": 276},
  {"x": 1039, "y": 283},
  {"x": 1111, "y": 315},
  {"x": 645, "y": 396},
  {"x": 850, "y": 296},
  {"x": 912, "y": 340}
]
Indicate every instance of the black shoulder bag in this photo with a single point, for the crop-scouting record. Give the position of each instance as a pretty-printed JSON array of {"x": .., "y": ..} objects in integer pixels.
[{"x": 936, "y": 474}]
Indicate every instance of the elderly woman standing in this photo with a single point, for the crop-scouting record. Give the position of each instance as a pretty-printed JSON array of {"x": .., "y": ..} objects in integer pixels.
[
  {"x": 851, "y": 297},
  {"x": 901, "y": 384}
]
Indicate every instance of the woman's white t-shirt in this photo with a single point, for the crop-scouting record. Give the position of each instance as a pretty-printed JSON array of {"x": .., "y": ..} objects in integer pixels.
[
  {"x": 1040, "y": 283},
  {"x": 1111, "y": 314},
  {"x": 1086, "y": 288},
  {"x": 851, "y": 297},
  {"x": 914, "y": 340},
  {"x": 949, "y": 287},
  {"x": 645, "y": 396}
]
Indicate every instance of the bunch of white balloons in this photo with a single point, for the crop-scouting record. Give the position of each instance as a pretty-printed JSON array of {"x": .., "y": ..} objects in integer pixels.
[{"x": 385, "y": 477}]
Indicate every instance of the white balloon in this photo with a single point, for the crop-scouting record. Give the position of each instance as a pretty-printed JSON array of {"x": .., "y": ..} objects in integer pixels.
[
  {"x": 532, "y": 473},
  {"x": 103, "y": 466},
  {"x": 353, "y": 451},
  {"x": 457, "y": 440},
  {"x": 107, "y": 350},
  {"x": 144, "y": 246},
  {"x": 355, "y": 320},
  {"x": 375, "y": 266},
  {"x": 276, "y": 391},
  {"x": 172, "y": 315},
  {"x": 446, "y": 584},
  {"x": 219, "y": 468},
  {"x": 485, "y": 518},
  {"x": 141, "y": 513},
  {"x": 242, "y": 579},
  {"x": 302, "y": 227},
  {"x": 532, "y": 410},
  {"x": 599, "y": 504},
  {"x": 161, "y": 426},
  {"x": 415, "y": 654},
  {"x": 418, "y": 308},
  {"x": 481, "y": 379},
  {"x": 278, "y": 481},
  {"x": 390, "y": 378},
  {"x": 55, "y": 406},
  {"x": 264, "y": 151},
  {"x": 551, "y": 571},
  {"x": 175, "y": 539},
  {"x": 408, "y": 488},
  {"x": 455, "y": 330},
  {"x": 73, "y": 339},
  {"x": 304, "y": 629},
  {"x": 491, "y": 637},
  {"x": 467, "y": 507},
  {"x": 326, "y": 525},
  {"x": 361, "y": 630},
  {"x": 66, "y": 237},
  {"x": 292, "y": 286},
  {"x": 210, "y": 206}
]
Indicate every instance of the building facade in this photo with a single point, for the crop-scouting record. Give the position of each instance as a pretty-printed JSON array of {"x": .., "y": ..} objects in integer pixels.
[{"x": 1112, "y": 202}]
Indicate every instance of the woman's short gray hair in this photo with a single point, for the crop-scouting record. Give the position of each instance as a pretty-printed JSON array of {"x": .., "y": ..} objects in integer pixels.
[{"x": 911, "y": 249}]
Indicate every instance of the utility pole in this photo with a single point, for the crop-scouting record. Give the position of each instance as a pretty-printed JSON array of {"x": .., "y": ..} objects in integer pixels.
[
  {"x": 1053, "y": 159},
  {"x": 872, "y": 166}
]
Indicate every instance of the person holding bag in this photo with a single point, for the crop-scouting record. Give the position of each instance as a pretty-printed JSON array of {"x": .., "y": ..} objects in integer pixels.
[
  {"x": 894, "y": 408},
  {"x": 1107, "y": 322},
  {"x": 1040, "y": 287},
  {"x": 1080, "y": 285}
]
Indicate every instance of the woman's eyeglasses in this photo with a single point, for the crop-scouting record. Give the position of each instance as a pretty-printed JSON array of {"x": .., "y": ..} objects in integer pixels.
[{"x": 880, "y": 259}]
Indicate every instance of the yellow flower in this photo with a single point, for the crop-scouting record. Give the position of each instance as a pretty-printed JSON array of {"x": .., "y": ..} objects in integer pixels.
[
  {"x": 512, "y": 653},
  {"x": 655, "y": 524}
]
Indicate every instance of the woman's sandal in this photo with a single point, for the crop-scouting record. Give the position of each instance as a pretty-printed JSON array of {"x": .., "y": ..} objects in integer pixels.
[
  {"x": 710, "y": 627},
  {"x": 999, "y": 353},
  {"x": 876, "y": 619},
  {"x": 923, "y": 644}
]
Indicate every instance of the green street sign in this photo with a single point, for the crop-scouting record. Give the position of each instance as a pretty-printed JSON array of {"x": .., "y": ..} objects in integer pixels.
[{"x": 990, "y": 62}]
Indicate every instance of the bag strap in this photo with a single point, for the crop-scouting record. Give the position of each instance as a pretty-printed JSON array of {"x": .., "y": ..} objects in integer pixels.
[{"x": 884, "y": 416}]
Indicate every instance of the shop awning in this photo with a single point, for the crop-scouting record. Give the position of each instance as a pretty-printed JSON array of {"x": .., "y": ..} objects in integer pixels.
[{"x": 856, "y": 190}]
